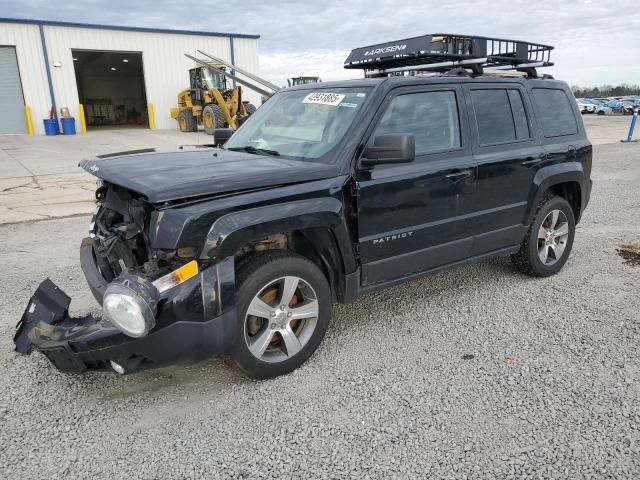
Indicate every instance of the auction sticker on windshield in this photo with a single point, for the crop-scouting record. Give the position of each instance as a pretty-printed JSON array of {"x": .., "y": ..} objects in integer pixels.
[{"x": 324, "y": 98}]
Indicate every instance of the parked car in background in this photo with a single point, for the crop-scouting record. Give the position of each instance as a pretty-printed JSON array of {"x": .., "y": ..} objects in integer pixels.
[
  {"x": 619, "y": 107},
  {"x": 601, "y": 105},
  {"x": 603, "y": 110},
  {"x": 585, "y": 107},
  {"x": 629, "y": 106}
]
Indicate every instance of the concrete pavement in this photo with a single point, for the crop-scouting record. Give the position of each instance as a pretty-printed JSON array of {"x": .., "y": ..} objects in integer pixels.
[
  {"x": 40, "y": 178},
  {"x": 45, "y": 196}
]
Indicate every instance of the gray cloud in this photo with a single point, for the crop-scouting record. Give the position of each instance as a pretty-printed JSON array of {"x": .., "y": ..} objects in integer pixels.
[{"x": 596, "y": 41}]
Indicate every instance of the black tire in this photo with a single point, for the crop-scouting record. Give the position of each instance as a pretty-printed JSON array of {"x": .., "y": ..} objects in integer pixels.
[
  {"x": 528, "y": 260},
  {"x": 212, "y": 118},
  {"x": 250, "y": 108},
  {"x": 187, "y": 122},
  {"x": 253, "y": 275}
]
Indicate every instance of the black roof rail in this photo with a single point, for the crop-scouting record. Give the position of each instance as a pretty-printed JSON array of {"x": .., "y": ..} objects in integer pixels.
[{"x": 445, "y": 51}]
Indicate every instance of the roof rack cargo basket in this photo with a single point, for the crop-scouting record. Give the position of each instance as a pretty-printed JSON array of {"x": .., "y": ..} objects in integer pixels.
[{"x": 445, "y": 51}]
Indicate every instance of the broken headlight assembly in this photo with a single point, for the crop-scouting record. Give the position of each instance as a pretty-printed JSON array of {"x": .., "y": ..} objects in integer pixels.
[{"x": 130, "y": 304}]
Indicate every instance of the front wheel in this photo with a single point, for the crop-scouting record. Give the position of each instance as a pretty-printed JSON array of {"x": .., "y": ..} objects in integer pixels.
[
  {"x": 212, "y": 118},
  {"x": 284, "y": 304},
  {"x": 547, "y": 245},
  {"x": 187, "y": 121}
]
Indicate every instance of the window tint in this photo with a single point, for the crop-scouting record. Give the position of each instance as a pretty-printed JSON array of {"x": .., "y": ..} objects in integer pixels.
[
  {"x": 519, "y": 115},
  {"x": 555, "y": 111},
  {"x": 432, "y": 117},
  {"x": 493, "y": 116}
]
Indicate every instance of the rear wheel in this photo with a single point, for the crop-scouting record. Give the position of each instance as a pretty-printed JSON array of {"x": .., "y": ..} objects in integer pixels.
[
  {"x": 212, "y": 118},
  {"x": 283, "y": 304},
  {"x": 250, "y": 108},
  {"x": 187, "y": 121},
  {"x": 547, "y": 245}
]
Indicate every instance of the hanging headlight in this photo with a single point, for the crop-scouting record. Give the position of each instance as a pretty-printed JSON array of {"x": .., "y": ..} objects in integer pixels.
[{"x": 130, "y": 304}]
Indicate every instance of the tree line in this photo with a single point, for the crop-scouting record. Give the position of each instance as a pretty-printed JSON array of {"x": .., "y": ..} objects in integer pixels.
[{"x": 606, "y": 91}]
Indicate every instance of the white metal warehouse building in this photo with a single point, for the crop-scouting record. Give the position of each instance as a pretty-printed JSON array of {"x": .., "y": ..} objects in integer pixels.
[{"x": 124, "y": 77}]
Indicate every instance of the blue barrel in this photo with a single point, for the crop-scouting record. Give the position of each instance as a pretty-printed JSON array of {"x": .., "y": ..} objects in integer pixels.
[
  {"x": 51, "y": 126},
  {"x": 68, "y": 126}
]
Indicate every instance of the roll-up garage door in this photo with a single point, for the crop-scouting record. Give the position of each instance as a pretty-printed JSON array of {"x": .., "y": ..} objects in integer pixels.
[{"x": 12, "y": 118}]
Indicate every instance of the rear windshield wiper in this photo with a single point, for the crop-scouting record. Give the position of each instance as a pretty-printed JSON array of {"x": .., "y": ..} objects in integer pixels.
[{"x": 252, "y": 149}]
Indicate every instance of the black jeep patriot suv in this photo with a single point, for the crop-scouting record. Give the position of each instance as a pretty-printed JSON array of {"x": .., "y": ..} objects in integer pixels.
[{"x": 327, "y": 192}]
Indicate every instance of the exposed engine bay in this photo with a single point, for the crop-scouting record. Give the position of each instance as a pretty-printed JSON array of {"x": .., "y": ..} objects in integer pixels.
[{"x": 119, "y": 235}]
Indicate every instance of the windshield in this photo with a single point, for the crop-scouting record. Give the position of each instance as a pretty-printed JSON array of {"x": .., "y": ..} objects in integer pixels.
[
  {"x": 302, "y": 124},
  {"x": 212, "y": 79}
]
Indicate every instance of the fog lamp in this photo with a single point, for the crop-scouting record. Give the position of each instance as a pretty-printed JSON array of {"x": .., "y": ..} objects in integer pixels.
[{"x": 117, "y": 367}]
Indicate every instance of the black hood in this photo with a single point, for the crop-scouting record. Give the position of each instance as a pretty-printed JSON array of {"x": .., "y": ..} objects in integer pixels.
[{"x": 166, "y": 176}]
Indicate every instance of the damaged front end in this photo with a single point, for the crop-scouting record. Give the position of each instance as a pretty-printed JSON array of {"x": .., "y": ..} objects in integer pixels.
[
  {"x": 158, "y": 306},
  {"x": 118, "y": 236}
]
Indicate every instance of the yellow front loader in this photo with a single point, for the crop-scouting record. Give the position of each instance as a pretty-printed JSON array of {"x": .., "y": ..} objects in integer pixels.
[{"x": 209, "y": 102}]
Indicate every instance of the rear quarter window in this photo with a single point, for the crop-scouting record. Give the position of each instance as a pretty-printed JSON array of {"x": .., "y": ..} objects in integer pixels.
[{"x": 555, "y": 111}]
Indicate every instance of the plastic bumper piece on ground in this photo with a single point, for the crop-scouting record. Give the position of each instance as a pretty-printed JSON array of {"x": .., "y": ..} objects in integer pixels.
[{"x": 195, "y": 320}]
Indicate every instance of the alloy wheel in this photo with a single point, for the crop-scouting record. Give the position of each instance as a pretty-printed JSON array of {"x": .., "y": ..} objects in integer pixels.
[
  {"x": 281, "y": 319},
  {"x": 552, "y": 237}
]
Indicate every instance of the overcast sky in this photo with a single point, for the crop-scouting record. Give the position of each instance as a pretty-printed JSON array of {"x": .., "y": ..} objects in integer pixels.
[{"x": 597, "y": 42}]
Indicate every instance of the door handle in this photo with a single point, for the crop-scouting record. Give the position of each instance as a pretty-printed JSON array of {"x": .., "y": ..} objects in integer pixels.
[
  {"x": 535, "y": 161},
  {"x": 457, "y": 176}
]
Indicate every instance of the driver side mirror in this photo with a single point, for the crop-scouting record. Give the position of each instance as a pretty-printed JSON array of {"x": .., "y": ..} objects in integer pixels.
[{"x": 391, "y": 148}]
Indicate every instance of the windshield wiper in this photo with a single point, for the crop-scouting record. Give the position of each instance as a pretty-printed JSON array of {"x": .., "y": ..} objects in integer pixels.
[{"x": 252, "y": 149}]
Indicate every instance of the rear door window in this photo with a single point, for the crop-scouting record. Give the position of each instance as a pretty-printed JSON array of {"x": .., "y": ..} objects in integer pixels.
[{"x": 555, "y": 111}]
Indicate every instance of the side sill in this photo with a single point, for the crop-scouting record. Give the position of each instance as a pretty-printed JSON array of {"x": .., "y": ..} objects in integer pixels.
[{"x": 442, "y": 268}]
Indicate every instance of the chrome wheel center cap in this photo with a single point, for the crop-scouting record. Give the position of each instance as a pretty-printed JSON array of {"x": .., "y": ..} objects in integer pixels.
[{"x": 280, "y": 321}]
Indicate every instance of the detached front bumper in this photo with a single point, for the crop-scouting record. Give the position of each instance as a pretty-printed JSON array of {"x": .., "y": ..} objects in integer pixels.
[{"x": 195, "y": 320}]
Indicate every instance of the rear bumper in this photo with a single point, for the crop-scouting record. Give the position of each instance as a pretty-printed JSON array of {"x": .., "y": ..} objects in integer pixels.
[{"x": 195, "y": 320}]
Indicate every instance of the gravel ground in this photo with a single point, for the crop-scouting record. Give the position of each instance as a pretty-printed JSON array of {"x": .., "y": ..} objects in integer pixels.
[{"x": 479, "y": 372}]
